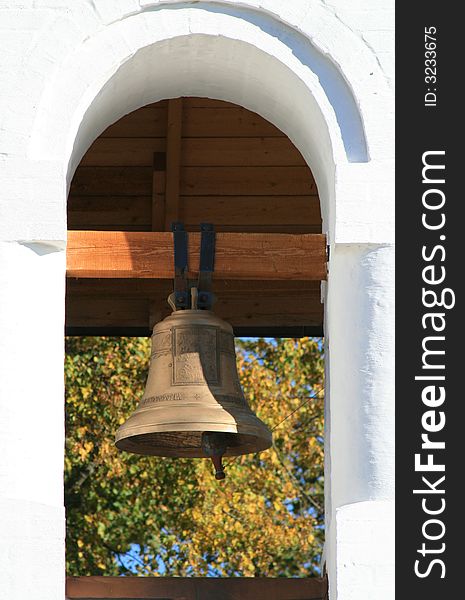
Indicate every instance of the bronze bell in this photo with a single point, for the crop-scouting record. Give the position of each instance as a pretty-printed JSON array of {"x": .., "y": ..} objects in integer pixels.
[{"x": 193, "y": 404}]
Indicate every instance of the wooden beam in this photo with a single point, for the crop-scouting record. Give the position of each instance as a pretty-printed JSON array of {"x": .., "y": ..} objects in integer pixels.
[
  {"x": 192, "y": 588},
  {"x": 112, "y": 254},
  {"x": 173, "y": 161}
]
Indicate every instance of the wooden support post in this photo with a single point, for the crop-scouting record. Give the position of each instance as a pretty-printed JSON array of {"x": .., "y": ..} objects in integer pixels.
[
  {"x": 173, "y": 161},
  {"x": 149, "y": 255},
  {"x": 165, "y": 184},
  {"x": 158, "y": 219}
]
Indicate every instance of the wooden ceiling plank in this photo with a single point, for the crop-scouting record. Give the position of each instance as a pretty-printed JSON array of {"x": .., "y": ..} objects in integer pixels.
[
  {"x": 226, "y": 122},
  {"x": 148, "y": 121},
  {"x": 110, "y": 212},
  {"x": 247, "y": 181},
  {"x": 252, "y": 210},
  {"x": 98, "y": 311},
  {"x": 154, "y": 287},
  {"x": 112, "y": 181},
  {"x": 240, "y": 152},
  {"x": 195, "y": 181},
  {"x": 123, "y": 152},
  {"x": 238, "y": 255},
  {"x": 213, "y": 152},
  {"x": 260, "y": 212}
]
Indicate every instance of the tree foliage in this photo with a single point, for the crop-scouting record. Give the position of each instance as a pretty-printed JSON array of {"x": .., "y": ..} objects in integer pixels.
[{"x": 161, "y": 516}]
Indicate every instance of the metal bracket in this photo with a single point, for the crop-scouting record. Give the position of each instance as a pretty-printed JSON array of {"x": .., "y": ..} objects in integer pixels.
[
  {"x": 180, "y": 297},
  {"x": 183, "y": 296},
  {"x": 206, "y": 298}
]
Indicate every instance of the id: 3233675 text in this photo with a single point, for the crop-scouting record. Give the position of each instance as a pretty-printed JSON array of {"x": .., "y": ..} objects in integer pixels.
[{"x": 430, "y": 66}]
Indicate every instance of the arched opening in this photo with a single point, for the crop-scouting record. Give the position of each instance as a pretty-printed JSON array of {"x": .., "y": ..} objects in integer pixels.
[{"x": 202, "y": 160}]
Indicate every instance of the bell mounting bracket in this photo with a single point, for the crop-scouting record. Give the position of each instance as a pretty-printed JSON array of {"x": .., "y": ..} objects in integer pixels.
[
  {"x": 205, "y": 296},
  {"x": 186, "y": 295},
  {"x": 181, "y": 283}
]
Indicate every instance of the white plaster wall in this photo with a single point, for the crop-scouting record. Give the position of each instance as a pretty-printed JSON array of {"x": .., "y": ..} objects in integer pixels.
[
  {"x": 364, "y": 551},
  {"x": 31, "y": 420},
  {"x": 359, "y": 442},
  {"x": 322, "y": 72}
]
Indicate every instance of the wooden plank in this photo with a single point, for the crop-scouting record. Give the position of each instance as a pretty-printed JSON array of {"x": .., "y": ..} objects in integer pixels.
[
  {"x": 149, "y": 288},
  {"x": 98, "y": 311},
  {"x": 206, "y": 121},
  {"x": 226, "y": 122},
  {"x": 228, "y": 213},
  {"x": 252, "y": 210},
  {"x": 240, "y": 151},
  {"x": 247, "y": 181},
  {"x": 173, "y": 161},
  {"x": 116, "y": 306},
  {"x": 194, "y": 588},
  {"x": 133, "y": 288},
  {"x": 123, "y": 152},
  {"x": 148, "y": 121},
  {"x": 112, "y": 181},
  {"x": 197, "y": 181},
  {"x": 115, "y": 212},
  {"x": 220, "y": 151},
  {"x": 115, "y": 313},
  {"x": 238, "y": 255},
  {"x": 240, "y": 310}
]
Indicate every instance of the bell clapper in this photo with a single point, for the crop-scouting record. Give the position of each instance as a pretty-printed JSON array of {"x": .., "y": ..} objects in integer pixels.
[
  {"x": 214, "y": 445},
  {"x": 218, "y": 464}
]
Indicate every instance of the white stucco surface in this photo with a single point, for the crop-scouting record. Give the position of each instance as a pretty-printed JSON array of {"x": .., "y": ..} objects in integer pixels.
[
  {"x": 365, "y": 546},
  {"x": 319, "y": 70}
]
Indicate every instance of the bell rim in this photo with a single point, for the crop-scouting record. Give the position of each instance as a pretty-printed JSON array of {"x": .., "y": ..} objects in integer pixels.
[{"x": 256, "y": 444}]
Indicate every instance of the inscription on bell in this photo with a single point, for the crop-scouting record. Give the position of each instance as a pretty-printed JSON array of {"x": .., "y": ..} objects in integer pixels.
[
  {"x": 151, "y": 400},
  {"x": 196, "y": 356}
]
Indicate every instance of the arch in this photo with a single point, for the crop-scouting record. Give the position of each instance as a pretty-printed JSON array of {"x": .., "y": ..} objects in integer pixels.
[{"x": 215, "y": 50}]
